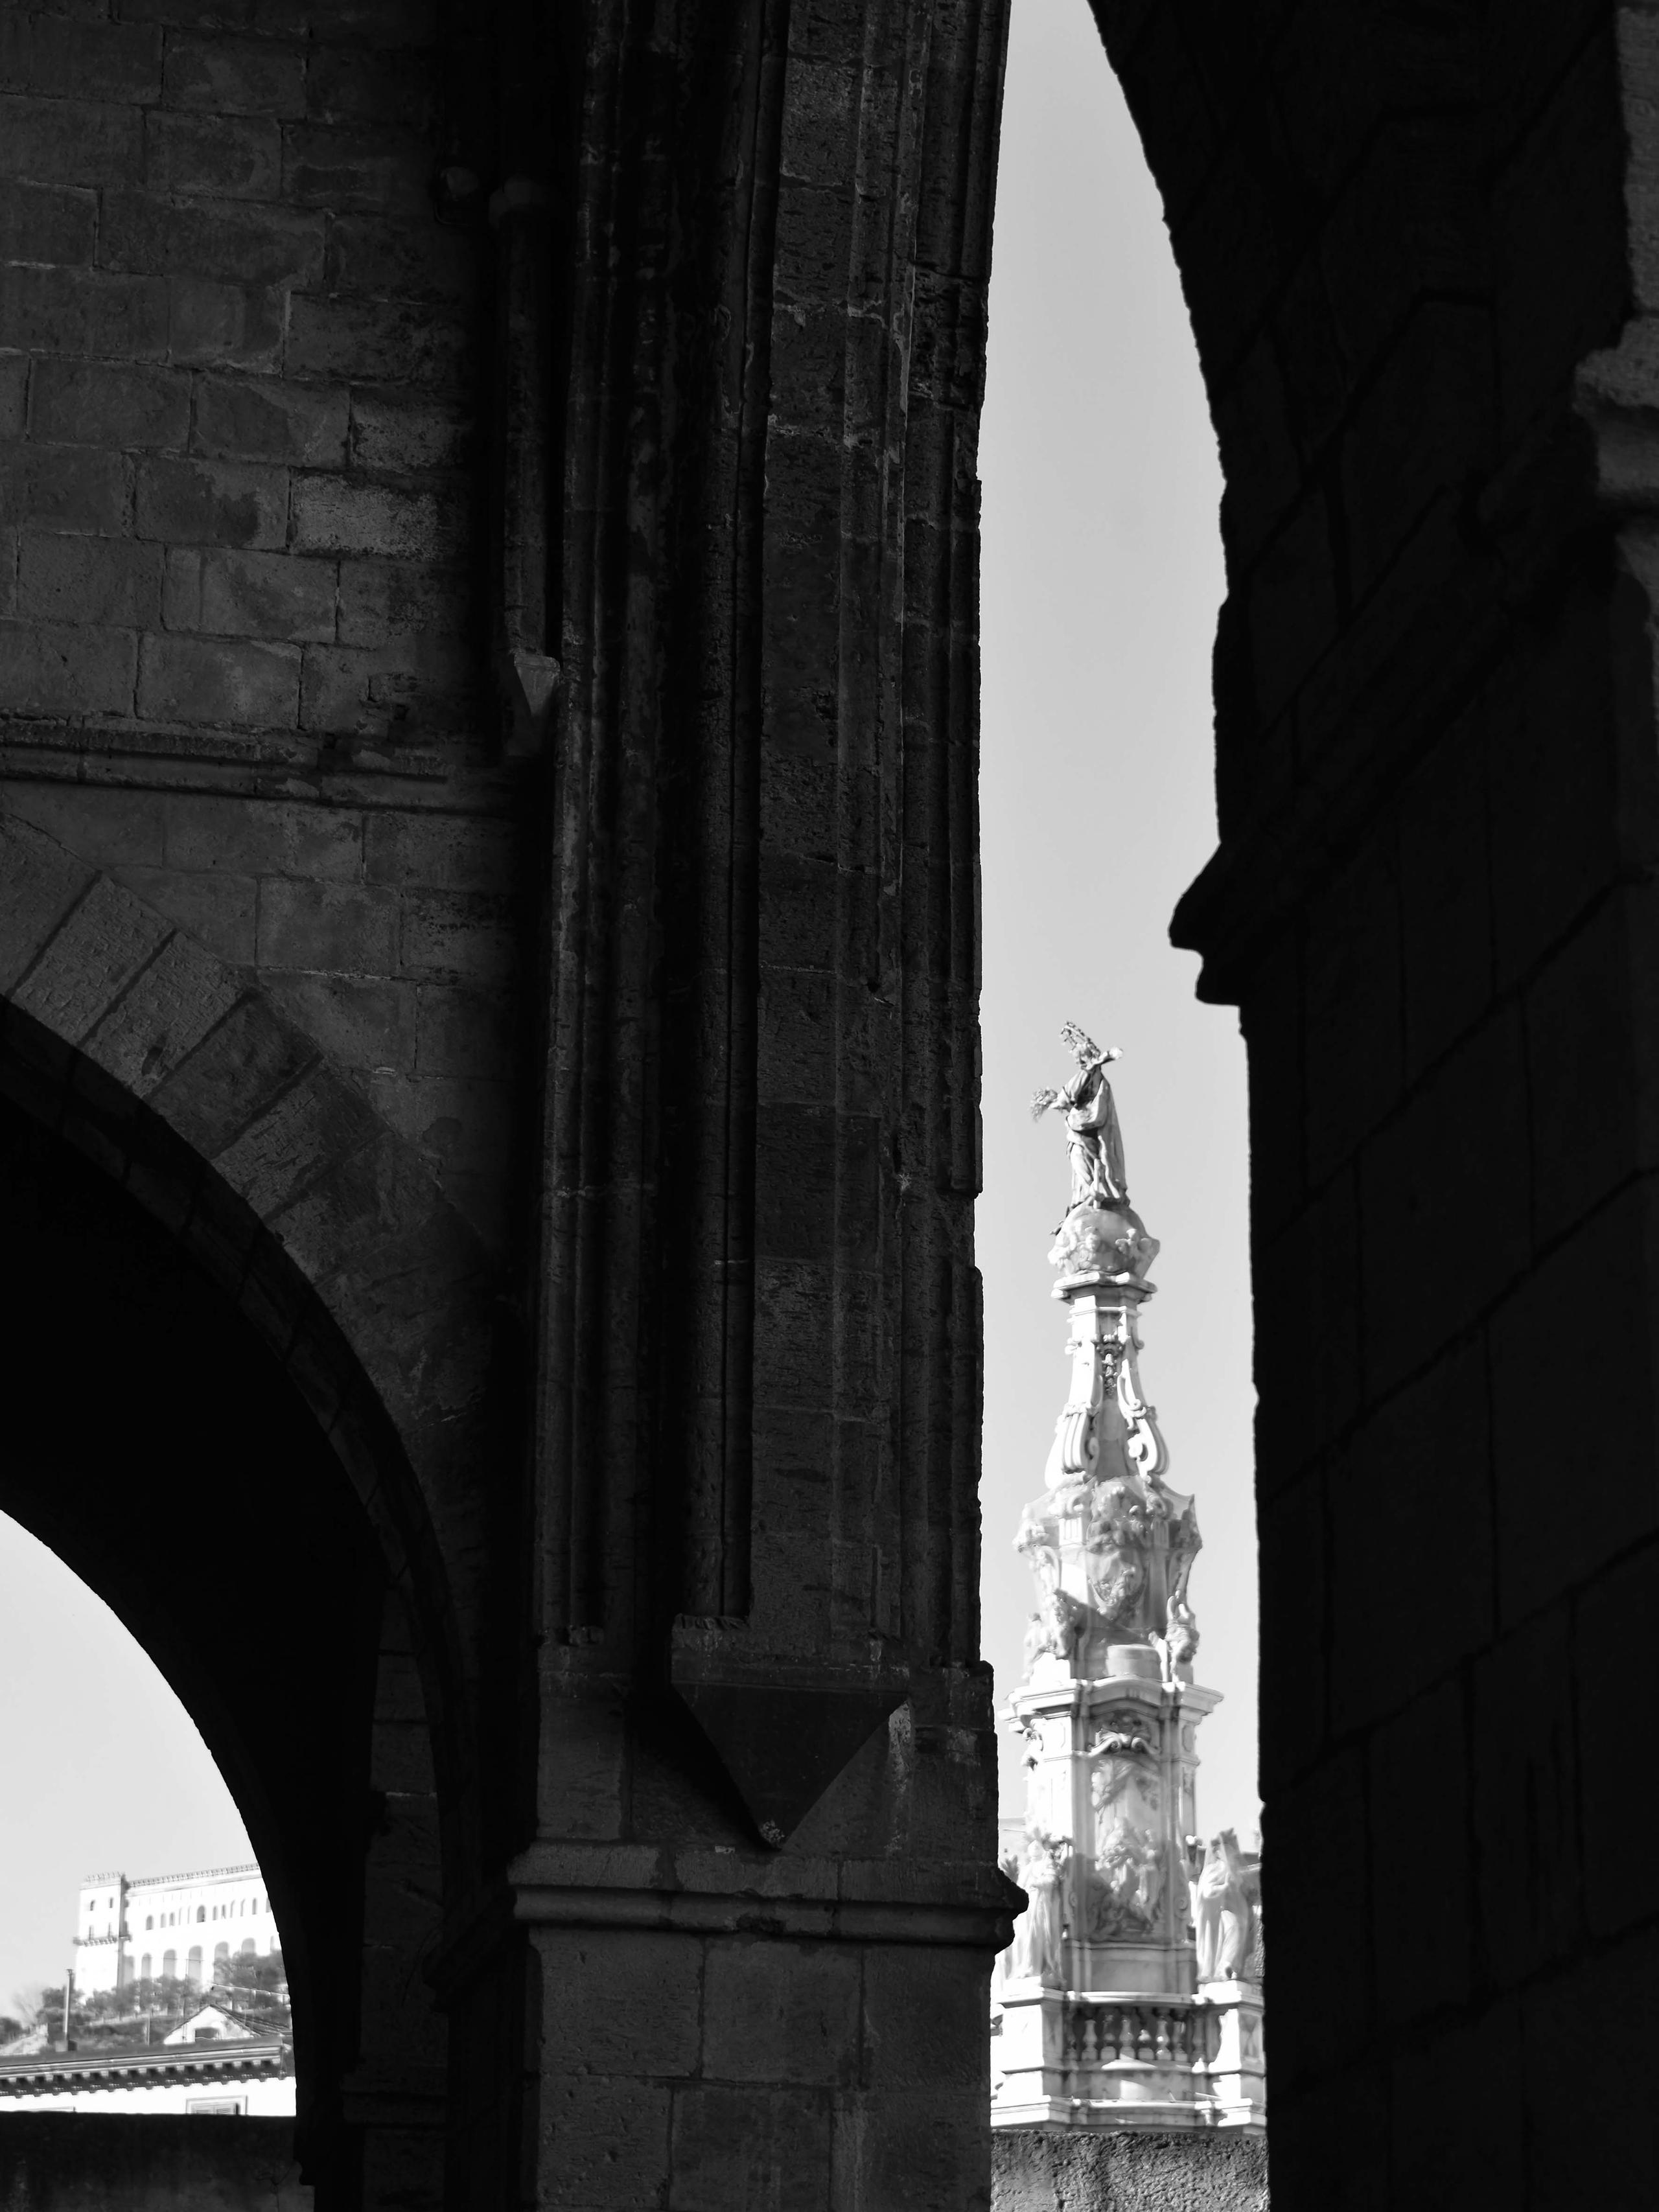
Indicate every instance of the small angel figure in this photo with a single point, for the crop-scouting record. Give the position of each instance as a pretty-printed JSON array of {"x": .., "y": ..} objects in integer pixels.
[{"x": 1098, "y": 1178}]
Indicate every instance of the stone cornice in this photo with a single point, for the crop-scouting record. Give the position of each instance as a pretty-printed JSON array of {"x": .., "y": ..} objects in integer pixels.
[{"x": 718, "y": 1893}]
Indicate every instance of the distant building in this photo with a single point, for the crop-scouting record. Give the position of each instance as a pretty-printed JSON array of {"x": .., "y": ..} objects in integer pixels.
[
  {"x": 181, "y": 1927},
  {"x": 241, "y": 2074},
  {"x": 231, "y": 2053}
]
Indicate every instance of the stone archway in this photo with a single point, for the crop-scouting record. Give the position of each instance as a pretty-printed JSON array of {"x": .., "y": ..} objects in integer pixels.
[
  {"x": 171, "y": 1069},
  {"x": 192, "y": 1152}
]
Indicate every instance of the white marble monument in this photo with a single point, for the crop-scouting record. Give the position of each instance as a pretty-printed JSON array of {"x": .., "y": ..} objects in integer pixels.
[{"x": 1131, "y": 1995}]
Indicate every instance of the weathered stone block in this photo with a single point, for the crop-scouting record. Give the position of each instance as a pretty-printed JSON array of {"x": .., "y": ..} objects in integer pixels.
[
  {"x": 368, "y": 1025},
  {"x": 39, "y": 884},
  {"x": 80, "y": 311},
  {"x": 922, "y": 2011},
  {"x": 88, "y": 60},
  {"x": 238, "y": 242},
  {"x": 86, "y": 402},
  {"x": 256, "y": 418},
  {"x": 263, "y": 595},
  {"x": 604, "y": 2144},
  {"x": 243, "y": 1061},
  {"x": 367, "y": 254},
  {"x": 747, "y": 2147},
  {"x": 212, "y": 503},
  {"x": 100, "y": 947},
  {"x": 55, "y": 669},
  {"x": 70, "y": 142},
  {"x": 180, "y": 996},
  {"x": 620, "y": 2002},
  {"x": 381, "y": 600},
  {"x": 345, "y": 169},
  {"x": 404, "y": 434},
  {"x": 337, "y": 928},
  {"x": 925, "y": 2152},
  {"x": 334, "y": 517},
  {"x": 225, "y": 325},
  {"x": 216, "y": 907},
  {"x": 421, "y": 691},
  {"x": 450, "y": 933},
  {"x": 220, "y": 680},
  {"x": 64, "y": 487},
  {"x": 441, "y": 852},
  {"x": 102, "y": 827},
  {"x": 236, "y": 77},
  {"x": 781, "y": 2012},
  {"x": 44, "y": 222},
  {"x": 339, "y": 336},
  {"x": 230, "y": 157},
  {"x": 347, "y": 84},
  {"x": 290, "y": 1145},
  {"x": 89, "y": 579},
  {"x": 263, "y": 836},
  {"x": 460, "y": 1027}
]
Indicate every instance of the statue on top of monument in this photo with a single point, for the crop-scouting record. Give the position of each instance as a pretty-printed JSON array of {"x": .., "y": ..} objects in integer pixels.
[
  {"x": 1098, "y": 1178},
  {"x": 1101, "y": 1231}
]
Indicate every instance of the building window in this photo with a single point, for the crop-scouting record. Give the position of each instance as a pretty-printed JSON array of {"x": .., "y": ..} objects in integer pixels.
[
  {"x": 193, "y": 1964},
  {"x": 248, "y": 1947},
  {"x": 149, "y": 1921},
  {"x": 143, "y": 1968},
  {"x": 201, "y": 1912},
  {"x": 220, "y": 1956},
  {"x": 169, "y": 1966}
]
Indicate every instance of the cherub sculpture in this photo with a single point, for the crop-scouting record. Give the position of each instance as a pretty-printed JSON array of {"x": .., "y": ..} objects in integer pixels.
[{"x": 1098, "y": 1178}]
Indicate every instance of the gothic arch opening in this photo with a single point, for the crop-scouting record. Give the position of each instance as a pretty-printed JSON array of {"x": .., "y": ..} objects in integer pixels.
[{"x": 156, "y": 1445}]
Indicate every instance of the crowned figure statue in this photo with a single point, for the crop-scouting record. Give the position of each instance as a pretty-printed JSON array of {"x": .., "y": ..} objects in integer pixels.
[{"x": 1098, "y": 1177}]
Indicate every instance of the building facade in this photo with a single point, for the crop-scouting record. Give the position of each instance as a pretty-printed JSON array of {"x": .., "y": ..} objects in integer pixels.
[{"x": 183, "y": 1927}]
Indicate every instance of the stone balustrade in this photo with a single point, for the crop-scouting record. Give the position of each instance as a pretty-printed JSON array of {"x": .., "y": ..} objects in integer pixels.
[
  {"x": 1140, "y": 2032},
  {"x": 1123, "y": 2058}
]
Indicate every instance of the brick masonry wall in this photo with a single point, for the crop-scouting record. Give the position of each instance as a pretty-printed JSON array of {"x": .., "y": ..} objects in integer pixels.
[
  {"x": 237, "y": 494},
  {"x": 238, "y": 382}
]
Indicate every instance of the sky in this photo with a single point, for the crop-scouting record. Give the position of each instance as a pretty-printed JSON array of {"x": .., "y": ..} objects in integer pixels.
[
  {"x": 1100, "y": 574},
  {"x": 101, "y": 1769}
]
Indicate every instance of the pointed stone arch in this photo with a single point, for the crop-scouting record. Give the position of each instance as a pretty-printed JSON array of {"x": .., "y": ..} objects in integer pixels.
[{"x": 171, "y": 1069}]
